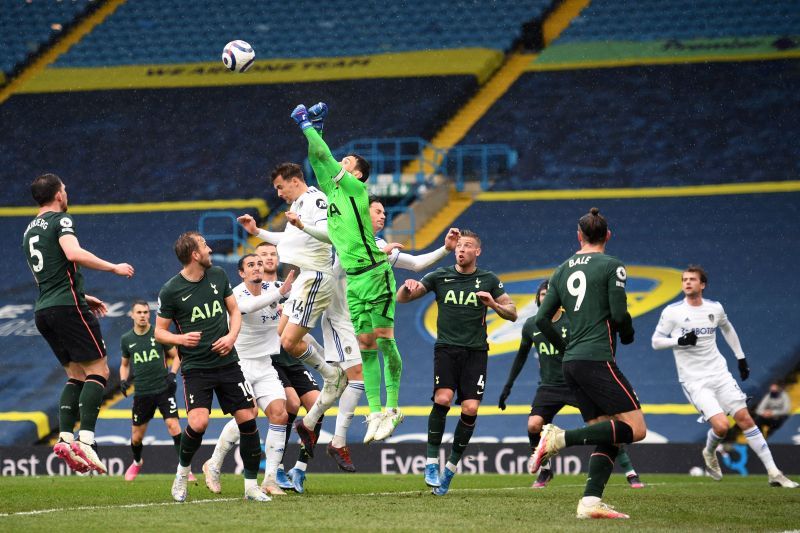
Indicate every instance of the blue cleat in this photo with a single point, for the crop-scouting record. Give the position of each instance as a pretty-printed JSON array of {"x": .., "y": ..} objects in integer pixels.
[
  {"x": 283, "y": 481},
  {"x": 444, "y": 483},
  {"x": 298, "y": 477},
  {"x": 432, "y": 475}
]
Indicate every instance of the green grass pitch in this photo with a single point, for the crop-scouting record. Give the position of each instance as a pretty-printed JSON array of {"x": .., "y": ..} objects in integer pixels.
[{"x": 365, "y": 502}]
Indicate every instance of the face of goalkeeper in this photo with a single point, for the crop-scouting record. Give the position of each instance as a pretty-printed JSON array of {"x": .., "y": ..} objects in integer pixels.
[{"x": 357, "y": 166}]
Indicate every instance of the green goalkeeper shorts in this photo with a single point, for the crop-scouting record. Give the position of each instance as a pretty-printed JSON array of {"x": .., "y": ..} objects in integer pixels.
[{"x": 371, "y": 298}]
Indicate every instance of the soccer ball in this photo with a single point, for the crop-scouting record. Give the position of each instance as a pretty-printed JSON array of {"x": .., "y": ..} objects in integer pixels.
[{"x": 238, "y": 56}]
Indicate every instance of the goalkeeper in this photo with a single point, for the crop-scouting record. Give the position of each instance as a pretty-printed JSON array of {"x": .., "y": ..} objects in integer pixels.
[{"x": 370, "y": 282}]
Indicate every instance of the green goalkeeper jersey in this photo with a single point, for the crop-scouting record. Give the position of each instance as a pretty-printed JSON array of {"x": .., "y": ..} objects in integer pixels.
[{"x": 349, "y": 223}]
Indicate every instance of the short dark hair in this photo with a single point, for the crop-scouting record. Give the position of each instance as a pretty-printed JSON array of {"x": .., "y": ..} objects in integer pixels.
[
  {"x": 697, "y": 269},
  {"x": 363, "y": 166},
  {"x": 263, "y": 244},
  {"x": 542, "y": 287},
  {"x": 593, "y": 226},
  {"x": 373, "y": 199},
  {"x": 472, "y": 234},
  {"x": 288, "y": 171},
  {"x": 140, "y": 302},
  {"x": 186, "y": 245},
  {"x": 45, "y": 187},
  {"x": 242, "y": 259}
]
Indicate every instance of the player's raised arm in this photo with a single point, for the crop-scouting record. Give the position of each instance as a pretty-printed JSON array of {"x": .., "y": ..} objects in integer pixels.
[
  {"x": 250, "y": 226},
  {"x": 418, "y": 263},
  {"x": 75, "y": 254},
  {"x": 544, "y": 317}
]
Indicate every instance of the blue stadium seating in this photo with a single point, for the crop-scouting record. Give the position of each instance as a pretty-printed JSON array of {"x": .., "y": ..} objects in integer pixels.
[
  {"x": 26, "y": 25},
  {"x": 145, "y": 32},
  {"x": 202, "y": 143},
  {"x": 650, "y": 20},
  {"x": 649, "y": 125}
]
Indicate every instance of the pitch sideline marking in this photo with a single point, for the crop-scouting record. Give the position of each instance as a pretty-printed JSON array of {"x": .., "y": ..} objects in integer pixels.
[{"x": 126, "y": 506}]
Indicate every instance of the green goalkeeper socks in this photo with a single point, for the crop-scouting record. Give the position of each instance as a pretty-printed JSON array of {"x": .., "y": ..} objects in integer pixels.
[
  {"x": 372, "y": 379},
  {"x": 393, "y": 369}
]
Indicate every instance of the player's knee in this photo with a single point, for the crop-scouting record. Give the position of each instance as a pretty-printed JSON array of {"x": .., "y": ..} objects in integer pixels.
[
  {"x": 639, "y": 432},
  {"x": 534, "y": 425},
  {"x": 443, "y": 397},
  {"x": 720, "y": 427},
  {"x": 743, "y": 419},
  {"x": 469, "y": 411}
]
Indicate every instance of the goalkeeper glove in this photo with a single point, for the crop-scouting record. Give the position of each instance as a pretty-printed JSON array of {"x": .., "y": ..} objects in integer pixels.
[
  {"x": 300, "y": 115},
  {"x": 688, "y": 339},
  {"x": 317, "y": 114},
  {"x": 744, "y": 370},
  {"x": 124, "y": 386},
  {"x": 503, "y": 397},
  {"x": 172, "y": 383}
]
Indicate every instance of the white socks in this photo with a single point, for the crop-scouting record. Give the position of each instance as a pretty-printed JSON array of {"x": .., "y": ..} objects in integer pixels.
[
  {"x": 227, "y": 440},
  {"x": 86, "y": 437},
  {"x": 273, "y": 448},
  {"x": 713, "y": 440},
  {"x": 348, "y": 402},
  {"x": 314, "y": 358},
  {"x": 759, "y": 445}
]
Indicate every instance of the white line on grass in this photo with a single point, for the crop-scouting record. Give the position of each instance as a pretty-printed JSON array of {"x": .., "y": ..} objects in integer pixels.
[{"x": 126, "y": 506}]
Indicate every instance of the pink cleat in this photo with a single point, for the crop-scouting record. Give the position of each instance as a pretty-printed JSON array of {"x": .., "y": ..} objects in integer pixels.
[
  {"x": 192, "y": 479},
  {"x": 64, "y": 451},
  {"x": 133, "y": 471}
]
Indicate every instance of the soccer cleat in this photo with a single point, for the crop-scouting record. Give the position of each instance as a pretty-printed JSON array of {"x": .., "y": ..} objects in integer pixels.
[
  {"x": 635, "y": 482},
  {"x": 547, "y": 446},
  {"x": 256, "y": 495},
  {"x": 432, "y": 475},
  {"x": 373, "y": 421},
  {"x": 342, "y": 457},
  {"x": 192, "y": 479},
  {"x": 298, "y": 478},
  {"x": 270, "y": 486},
  {"x": 531, "y": 462},
  {"x": 391, "y": 419},
  {"x": 332, "y": 389},
  {"x": 317, "y": 114},
  {"x": 132, "y": 471},
  {"x": 545, "y": 475},
  {"x": 211, "y": 475},
  {"x": 283, "y": 482},
  {"x": 307, "y": 436},
  {"x": 87, "y": 453},
  {"x": 712, "y": 464},
  {"x": 779, "y": 480},
  {"x": 598, "y": 510},
  {"x": 444, "y": 483},
  {"x": 63, "y": 450},
  {"x": 179, "y": 488}
]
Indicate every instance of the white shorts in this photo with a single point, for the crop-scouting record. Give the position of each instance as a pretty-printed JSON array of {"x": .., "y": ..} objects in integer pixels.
[
  {"x": 712, "y": 397},
  {"x": 338, "y": 334},
  {"x": 311, "y": 294},
  {"x": 263, "y": 379}
]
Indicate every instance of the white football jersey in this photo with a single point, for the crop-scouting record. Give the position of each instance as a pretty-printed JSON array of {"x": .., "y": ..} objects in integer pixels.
[
  {"x": 299, "y": 248},
  {"x": 259, "y": 334},
  {"x": 704, "y": 360}
]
